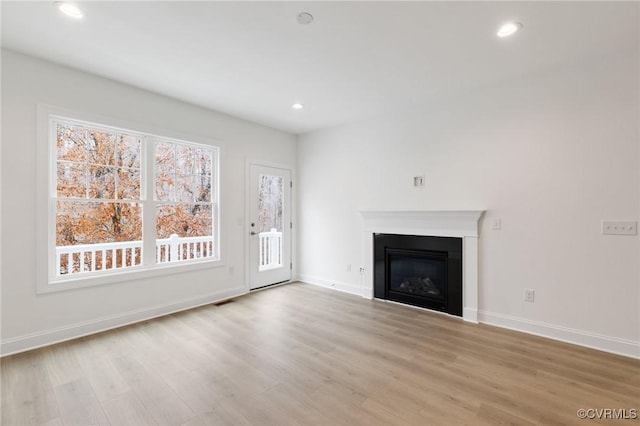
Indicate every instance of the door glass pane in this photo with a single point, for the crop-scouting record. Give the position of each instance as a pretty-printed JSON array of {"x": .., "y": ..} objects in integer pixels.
[
  {"x": 270, "y": 201},
  {"x": 270, "y": 204}
]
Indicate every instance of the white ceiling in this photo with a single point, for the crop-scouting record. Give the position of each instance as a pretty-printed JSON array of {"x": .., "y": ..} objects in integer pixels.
[{"x": 356, "y": 60}]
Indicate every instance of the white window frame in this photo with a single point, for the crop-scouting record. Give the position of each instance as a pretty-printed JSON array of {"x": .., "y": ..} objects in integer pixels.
[{"x": 47, "y": 280}]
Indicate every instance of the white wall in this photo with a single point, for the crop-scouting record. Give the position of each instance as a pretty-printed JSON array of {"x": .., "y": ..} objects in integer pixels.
[
  {"x": 29, "y": 319},
  {"x": 551, "y": 155}
]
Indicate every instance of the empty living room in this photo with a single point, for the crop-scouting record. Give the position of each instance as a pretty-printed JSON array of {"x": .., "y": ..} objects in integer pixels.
[{"x": 319, "y": 213}]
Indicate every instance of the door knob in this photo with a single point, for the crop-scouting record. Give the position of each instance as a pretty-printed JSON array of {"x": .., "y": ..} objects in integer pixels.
[{"x": 254, "y": 233}]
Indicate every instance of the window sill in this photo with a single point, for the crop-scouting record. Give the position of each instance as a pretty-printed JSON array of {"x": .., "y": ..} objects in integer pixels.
[{"x": 130, "y": 274}]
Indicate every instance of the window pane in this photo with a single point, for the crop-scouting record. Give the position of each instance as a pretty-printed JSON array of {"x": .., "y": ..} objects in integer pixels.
[
  {"x": 102, "y": 182},
  {"x": 202, "y": 187},
  {"x": 71, "y": 180},
  {"x": 165, "y": 156},
  {"x": 94, "y": 236},
  {"x": 71, "y": 143},
  {"x": 203, "y": 162},
  {"x": 165, "y": 172},
  {"x": 185, "y": 188},
  {"x": 203, "y": 220},
  {"x": 184, "y": 160},
  {"x": 128, "y": 152},
  {"x": 184, "y": 231},
  {"x": 166, "y": 222},
  {"x": 164, "y": 187},
  {"x": 129, "y": 184},
  {"x": 101, "y": 147},
  {"x": 80, "y": 222},
  {"x": 175, "y": 166},
  {"x": 185, "y": 220}
]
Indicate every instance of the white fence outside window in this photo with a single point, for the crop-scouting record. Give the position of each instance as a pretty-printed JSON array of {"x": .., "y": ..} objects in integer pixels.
[{"x": 82, "y": 258}]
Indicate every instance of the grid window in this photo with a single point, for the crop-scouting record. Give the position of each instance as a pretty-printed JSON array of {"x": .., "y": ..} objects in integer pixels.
[{"x": 103, "y": 198}]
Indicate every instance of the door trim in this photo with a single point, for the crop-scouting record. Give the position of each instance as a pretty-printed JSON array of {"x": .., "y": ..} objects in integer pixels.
[{"x": 246, "y": 228}]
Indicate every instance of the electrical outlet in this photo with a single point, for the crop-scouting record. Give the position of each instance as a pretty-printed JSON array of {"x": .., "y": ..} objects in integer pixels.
[
  {"x": 349, "y": 267},
  {"x": 529, "y": 295},
  {"x": 496, "y": 224},
  {"x": 619, "y": 228}
]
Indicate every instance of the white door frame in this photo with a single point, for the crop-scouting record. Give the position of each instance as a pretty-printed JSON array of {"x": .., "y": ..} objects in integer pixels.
[{"x": 247, "y": 227}]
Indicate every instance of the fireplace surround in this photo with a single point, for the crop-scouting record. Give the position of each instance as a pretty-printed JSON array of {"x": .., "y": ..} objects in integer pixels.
[{"x": 461, "y": 224}]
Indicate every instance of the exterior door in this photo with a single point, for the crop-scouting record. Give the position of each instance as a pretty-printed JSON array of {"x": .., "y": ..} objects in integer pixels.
[{"x": 269, "y": 225}]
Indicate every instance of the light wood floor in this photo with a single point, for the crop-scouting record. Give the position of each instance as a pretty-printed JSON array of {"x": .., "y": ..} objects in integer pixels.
[{"x": 299, "y": 354}]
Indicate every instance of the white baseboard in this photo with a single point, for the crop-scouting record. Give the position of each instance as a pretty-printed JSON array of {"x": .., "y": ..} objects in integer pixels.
[
  {"x": 335, "y": 285},
  {"x": 56, "y": 335},
  {"x": 600, "y": 342}
]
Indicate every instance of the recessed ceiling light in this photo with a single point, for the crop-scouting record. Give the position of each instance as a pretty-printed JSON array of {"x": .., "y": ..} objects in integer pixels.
[
  {"x": 305, "y": 18},
  {"x": 297, "y": 106},
  {"x": 69, "y": 9},
  {"x": 508, "y": 29}
]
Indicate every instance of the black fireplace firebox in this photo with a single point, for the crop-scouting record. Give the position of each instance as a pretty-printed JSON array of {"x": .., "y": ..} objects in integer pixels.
[{"x": 419, "y": 270}]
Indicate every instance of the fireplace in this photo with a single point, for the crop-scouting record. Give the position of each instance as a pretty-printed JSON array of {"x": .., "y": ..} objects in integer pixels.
[
  {"x": 458, "y": 224},
  {"x": 423, "y": 271}
]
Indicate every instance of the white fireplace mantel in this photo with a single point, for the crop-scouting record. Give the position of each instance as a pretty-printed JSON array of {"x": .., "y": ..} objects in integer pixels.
[{"x": 437, "y": 223}]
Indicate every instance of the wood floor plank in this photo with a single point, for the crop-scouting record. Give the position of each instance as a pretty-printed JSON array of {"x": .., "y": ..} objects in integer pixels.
[
  {"x": 127, "y": 410},
  {"x": 222, "y": 415},
  {"x": 27, "y": 394},
  {"x": 55, "y": 422},
  {"x": 304, "y": 355},
  {"x": 105, "y": 379},
  {"x": 296, "y": 405},
  {"x": 79, "y": 405},
  {"x": 199, "y": 393},
  {"x": 170, "y": 410},
  {"x": 62, "y": 364}
]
